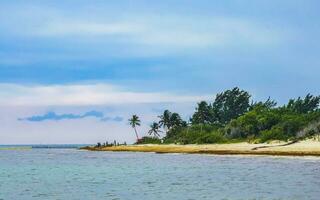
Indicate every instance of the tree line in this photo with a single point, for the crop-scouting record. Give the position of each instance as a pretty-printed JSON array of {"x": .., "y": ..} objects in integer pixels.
[{"x": 233, "y": 116}]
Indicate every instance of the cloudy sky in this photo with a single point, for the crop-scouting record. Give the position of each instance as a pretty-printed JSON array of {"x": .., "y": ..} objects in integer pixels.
[{"x": 73, "y": 71}]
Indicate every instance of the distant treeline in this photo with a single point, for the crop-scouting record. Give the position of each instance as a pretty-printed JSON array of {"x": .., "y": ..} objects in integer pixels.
[
  {"x": 110, "y": 144},
  {"x": 233, "y": 116}
]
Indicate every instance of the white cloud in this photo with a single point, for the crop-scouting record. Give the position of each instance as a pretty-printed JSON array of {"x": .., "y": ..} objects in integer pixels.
[
  {"x": 170, "y": 30},
  {"x": 213, "y": 31},
  {"x": 84, "y": 28},
  {"x": 81, "y": 95}
]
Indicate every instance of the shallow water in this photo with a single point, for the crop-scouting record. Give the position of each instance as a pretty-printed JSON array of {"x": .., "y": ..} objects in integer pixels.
[{"x": 74, "y": 174}]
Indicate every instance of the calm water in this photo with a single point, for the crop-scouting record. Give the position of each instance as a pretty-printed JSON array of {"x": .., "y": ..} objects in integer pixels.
[{"x": 73, "y": 174}]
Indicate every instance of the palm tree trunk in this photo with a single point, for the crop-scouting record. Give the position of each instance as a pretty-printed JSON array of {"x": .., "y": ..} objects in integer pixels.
[{"x": 135, "y": 130}]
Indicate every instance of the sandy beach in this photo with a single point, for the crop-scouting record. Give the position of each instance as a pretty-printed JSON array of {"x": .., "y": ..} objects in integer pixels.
[{"x": 302, "y": 148}]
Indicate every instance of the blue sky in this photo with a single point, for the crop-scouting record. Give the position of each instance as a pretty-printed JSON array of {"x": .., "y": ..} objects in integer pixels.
[{"x": 70, "y": 57}]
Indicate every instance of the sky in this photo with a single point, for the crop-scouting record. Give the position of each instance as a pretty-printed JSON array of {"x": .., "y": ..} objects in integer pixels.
[{"x": 74, "y": 71}]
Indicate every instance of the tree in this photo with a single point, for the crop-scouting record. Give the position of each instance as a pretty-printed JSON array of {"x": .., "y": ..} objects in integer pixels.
[
  {"x": 308, "y": 104},
  {"x": 268, "y": 104},
  {"x": 230, "y": 105},
  {"x": 134, "y": 122},
  {"x": 175, "y": 120},
  {"x": 154, "y": 130},
  {"x": 165, "y": 120},
  {"x": 253, "y": 122},
  {"x": 203, "y": 114}
]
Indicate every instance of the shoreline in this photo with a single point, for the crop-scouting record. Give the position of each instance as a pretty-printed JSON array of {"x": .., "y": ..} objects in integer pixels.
[{"x": 302, "y": 148}]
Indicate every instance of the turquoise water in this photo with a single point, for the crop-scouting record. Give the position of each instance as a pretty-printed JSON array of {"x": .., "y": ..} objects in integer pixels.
[{"x": 73, "y": 174}]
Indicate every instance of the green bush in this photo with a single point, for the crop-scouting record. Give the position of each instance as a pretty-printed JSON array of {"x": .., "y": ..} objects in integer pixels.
[
  {"x": 195, "y": 134},
  {"x": 211, "y": 138},
  {"x": 149, "y": 140},
  {"x": 276, "y": 133},
  {"x": 251, "y": 123}
]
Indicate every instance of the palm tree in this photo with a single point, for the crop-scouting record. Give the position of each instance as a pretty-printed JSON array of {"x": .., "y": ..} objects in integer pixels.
[
  {"x": 165, "y": 120},
  {"x": 175, "y": 120},
  {"x": 154, "y": 130},
  {"x": 134, "y": 122}
]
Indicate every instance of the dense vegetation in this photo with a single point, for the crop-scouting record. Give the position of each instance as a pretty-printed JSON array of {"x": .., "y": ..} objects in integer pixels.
[{"x": 233, "y": 116}]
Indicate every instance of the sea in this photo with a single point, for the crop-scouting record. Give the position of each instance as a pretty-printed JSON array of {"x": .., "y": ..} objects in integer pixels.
[{"x": 66, "y": 173}]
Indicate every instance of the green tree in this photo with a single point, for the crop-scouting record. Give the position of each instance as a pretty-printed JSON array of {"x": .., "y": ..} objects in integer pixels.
[
  {"x": 253, "y": 122},
  {"x": 308, "y": 104},
  {"x": 154, "y": 130},
  {"x": 268, "y": 104},
  {"x": 175, "y": 120},
  {"x": 230, "y": 105},
  {"x": 165, "y": 120},
  {"x": 171, "y": 123},
  {"x": 134, "y": 122},
  {"x": 203, "y": 114}
]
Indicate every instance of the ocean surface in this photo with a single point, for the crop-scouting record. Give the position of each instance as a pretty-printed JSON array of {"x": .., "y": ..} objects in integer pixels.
[{"x": 73, "y": 174}]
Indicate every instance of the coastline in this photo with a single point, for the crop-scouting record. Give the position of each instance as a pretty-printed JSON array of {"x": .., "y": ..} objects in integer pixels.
[{"x": 302, "y": 148}]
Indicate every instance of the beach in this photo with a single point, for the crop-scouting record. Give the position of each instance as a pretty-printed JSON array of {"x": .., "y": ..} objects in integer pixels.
[{"x": 302, "y": 148}]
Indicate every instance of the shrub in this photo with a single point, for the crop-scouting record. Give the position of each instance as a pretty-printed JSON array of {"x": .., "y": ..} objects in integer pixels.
[
  {"x": 276, "y": 133},
  {"x": 211, "y": 138},
  {"x": 149, "y": 140}
]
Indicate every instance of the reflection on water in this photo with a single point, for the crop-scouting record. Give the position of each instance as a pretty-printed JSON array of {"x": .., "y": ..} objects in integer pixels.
[{"x": 74, "y": 174}]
